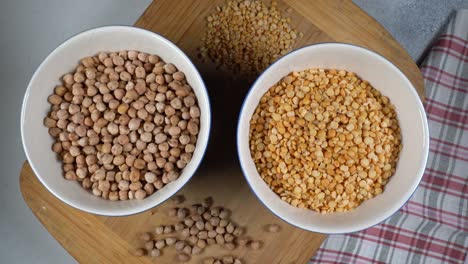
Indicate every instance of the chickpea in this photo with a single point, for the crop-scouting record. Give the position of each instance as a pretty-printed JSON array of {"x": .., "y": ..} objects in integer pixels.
[
  {"x": 155, "y": 252},
  {"x": 118, "y": 61},
  {"x": 139, "y": 164},
  {"x": 255, "y": 245},
  {"x": 160, "y": 79},
  {"x": 186, "y": 115},
  {"x": 142, "y": 113},
  {"x": 140, "y": 72},
  {"x": 86, "y": 183},
  {"x": 91, "y": 159},
  {"x": 134, "y": 124},
  {"x": 194, "y": 112},
  {"x": 158, "y": 68},
  {"x": 179, "y": 76},
  {"x": 70, "y": 175},
  {"x": 176, "y": 103},
  {"x": 192, "y": 127},
  {"x": 189, "y": 101},
  {"x": 59, "y": 90},
  {"x": 81, "y": 173},
  {"x": 55, "y": 99},
  {"x": 142, "y": 57},
  {"x": 184, "y": 140},
  {"x": 68, "y": 97},
  {"x": 112, "y": 85},
  {"x": 149, "y": 188},
  {"x": 49, "y": 122},
  {"x": 169, "y": 68},
  {"x": 113, "y": 128},
  {"x": 123, "y": 195},
  {"x": 174, "y": 131},
  {"x": 172, "y": 176},
  {"x": 140, "y": 87},
  {"x": 273, "y": 228},
  {"x": 140, "y": 194}
]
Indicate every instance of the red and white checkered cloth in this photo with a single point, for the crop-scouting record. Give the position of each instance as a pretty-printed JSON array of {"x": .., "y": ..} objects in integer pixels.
[{"x": 433, "y": 226}]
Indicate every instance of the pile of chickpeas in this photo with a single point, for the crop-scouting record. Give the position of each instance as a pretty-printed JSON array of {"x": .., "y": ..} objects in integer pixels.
[
  {"x": 125, "y": 124},
  {"x": 197, "y": 227},
  {"x": 325, "y": 140}
]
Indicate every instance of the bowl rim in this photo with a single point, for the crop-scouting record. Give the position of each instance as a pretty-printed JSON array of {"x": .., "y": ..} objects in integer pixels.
[
  {"x": 425, "y": 154},
  {"x": 26, "y": 98}
]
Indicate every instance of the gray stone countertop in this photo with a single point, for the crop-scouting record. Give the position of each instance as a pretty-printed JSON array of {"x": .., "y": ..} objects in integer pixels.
[{"x": 413, "y": 23}]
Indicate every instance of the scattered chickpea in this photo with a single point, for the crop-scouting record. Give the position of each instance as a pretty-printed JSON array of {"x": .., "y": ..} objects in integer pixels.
[
  {"x": 145, "y": 236},
  {"x": 188, "y": 222},
  {"x": 182, "y": 213},
  {"x": 183, "y": 257},
  {"x": 149, "y": 245},
  {"x": 201, "y": 243},
  {"x": 255, "y": 244},
  {"x": 209, "y": 260},
  {"x": 170, "y": 241},
  {"x": 237, "y": 261},
  {"x": 187, "y": 249},
  {"x": 196, "y": 250},
  {"x": 214, "y": 220},
  {"x": 160, "y": 244},
  {"x": 230, "y": 228},
  {"x": 179, "y": 226},
  {"x": 159, "y": 230},
  {"x": 228, "y": 237},
  {"x": 155, "y": 252},
  {"x": 219, "y": 239},
  {"x": 168, "y": 229},
  {"x": 210, "y": 241},
  {"x": 228, "y": 259},
  {"x": 272, "y": 228},
  {"x": 195, "y": 216},
  {"x": 179, "y": 245},
  {"x": 220, "y": 230},
  {"x": 242, "y": 241},
  {"x": 139, "y": 252},
  {"x": 224, "y": 214},
  {"x": 196, "y": 231},
  {"x": 229, "y": 246}
]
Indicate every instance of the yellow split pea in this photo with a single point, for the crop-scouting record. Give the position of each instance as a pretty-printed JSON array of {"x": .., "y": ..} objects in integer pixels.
[
  {"x": 325, "y": 140},
  {"x": 245, "y": 36}
]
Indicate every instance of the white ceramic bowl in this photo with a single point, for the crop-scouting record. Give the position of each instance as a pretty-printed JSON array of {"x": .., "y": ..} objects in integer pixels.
[
  {"x": 385, "y": 77},
  {"x": 37, "y": 142}
]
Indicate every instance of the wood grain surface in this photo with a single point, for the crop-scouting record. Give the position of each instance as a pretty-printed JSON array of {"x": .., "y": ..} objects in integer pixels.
[{"x": 99, "y": 239}]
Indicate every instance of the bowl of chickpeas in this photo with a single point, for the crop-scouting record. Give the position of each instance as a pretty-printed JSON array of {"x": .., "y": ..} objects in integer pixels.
[
  {"x": 115, "y": 120},
  {"x": 333, "y": 138}
]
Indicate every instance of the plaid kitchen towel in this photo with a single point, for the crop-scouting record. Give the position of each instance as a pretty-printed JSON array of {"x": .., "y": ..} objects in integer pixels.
[{"x": 433, "y": 226}]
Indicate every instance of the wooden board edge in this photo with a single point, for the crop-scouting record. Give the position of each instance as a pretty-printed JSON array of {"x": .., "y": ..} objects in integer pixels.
[
  {"x": 81, "y": 225},
  {"x": 337, "y": 29}
]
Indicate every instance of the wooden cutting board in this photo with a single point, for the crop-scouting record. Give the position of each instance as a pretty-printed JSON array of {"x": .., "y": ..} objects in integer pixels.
[{"x": 98, "y": 239}]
